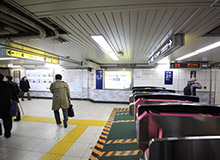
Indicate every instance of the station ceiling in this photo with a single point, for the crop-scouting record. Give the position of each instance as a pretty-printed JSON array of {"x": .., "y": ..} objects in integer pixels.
[{"x": 137, "y": 28}]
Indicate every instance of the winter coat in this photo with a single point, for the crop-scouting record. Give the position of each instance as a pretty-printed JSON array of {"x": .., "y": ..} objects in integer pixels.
[
  {"x": 61, "y": 95},
  {"x": 194, "y": 86},
  {"x": 15, "y": 89},
  {"x": 4, "y": 99},
  {"x": 24, "y": 85}
]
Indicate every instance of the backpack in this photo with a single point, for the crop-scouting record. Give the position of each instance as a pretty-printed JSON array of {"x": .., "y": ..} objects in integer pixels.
[{"x": 187, "y": 90}]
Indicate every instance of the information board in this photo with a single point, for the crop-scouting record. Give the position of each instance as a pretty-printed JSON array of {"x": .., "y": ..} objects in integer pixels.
[
  {"x": 72, "y": 77},
  {"x": 40, "y": 80},
  {"x": 118, "y": 79}
]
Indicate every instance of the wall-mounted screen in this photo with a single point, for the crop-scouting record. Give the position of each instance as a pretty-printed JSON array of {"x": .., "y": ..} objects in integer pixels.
[{"x": 118, "y": 79}]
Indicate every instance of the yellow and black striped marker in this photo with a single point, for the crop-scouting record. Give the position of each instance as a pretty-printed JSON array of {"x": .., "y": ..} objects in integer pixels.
[{"x": 122, "y": 141}]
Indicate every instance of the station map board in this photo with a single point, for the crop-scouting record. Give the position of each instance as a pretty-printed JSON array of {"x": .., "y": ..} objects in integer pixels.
[{"x": 74, "y": 78}]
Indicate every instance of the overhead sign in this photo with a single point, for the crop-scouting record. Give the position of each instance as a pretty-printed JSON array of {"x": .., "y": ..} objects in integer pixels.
[
  {"x": 185, "y": 65},
  {"x": 167, "y": 48},
  {"x": 168, "y": 79},
  {"x": 30, "y": 53}
]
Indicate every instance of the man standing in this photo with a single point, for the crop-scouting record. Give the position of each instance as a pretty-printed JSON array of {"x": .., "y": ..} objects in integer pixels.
[
  {"x": 61, "y": 99},
  {"x": 191, "y": 87},
  {"x": 5, "y": 97},
  {"x": 25, "y": 86}
]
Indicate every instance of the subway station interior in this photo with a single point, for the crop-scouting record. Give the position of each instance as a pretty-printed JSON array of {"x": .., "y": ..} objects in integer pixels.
[{"x": 143, "y": 78}]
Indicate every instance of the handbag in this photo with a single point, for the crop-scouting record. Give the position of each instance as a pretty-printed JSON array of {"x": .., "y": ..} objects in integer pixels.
[
  {"x": 71, "y": 111},
  {"x": 13, "y": 109}
]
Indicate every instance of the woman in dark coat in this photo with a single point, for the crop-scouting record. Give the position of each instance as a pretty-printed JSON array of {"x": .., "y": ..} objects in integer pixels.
[
  {"x": 5, "y": 107},
  {"x": 24, "y": 86}
]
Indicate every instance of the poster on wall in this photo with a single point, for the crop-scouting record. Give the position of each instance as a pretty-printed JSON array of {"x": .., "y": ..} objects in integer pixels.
[
  {"x": 118, "y": 79},
  {"x": 40, "y": 80},
  {"x": 99, "y": 79},
  {"x": 72, "y": 77},
  {"x": 192, "y": 74},
  {"x": 137, "y": 74},
  {"x": 91, "y": 80},
  {"x": 168, "y": 79}
]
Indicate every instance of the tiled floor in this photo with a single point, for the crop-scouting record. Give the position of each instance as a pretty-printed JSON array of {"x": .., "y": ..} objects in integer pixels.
[{"x": 31, "y": 140}]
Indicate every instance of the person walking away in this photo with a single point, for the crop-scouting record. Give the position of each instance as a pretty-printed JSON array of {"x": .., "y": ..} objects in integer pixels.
[
  {"x": 61, "y": 99},
  {"x": 191, "y": 87},
  {"x": 5, "y": 107},
  {"x": 14, "y": 86},
  {"x": 25, "y": 86}
]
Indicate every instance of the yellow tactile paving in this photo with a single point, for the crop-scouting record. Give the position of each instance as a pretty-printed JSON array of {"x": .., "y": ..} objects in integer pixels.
[
  {"x": 57, "y": 152},
  {"x": 70, "y": 121}
]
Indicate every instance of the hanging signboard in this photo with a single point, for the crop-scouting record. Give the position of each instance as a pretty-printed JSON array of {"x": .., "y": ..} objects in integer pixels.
[
  {"x": 172, "y": 44},
  {"x": 20, "y": 51}
]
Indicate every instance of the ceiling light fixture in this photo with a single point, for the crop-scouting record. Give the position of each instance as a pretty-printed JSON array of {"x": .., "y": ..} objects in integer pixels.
[
  {"x": 204, "y": 49},
  {"x": 7, "y": 58},
  {"x": 14, "y": 66},
  {"x": 105, "y": 46}
]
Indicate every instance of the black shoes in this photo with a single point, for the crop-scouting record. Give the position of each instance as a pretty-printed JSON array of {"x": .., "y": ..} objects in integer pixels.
[
  {"x": 7, "y": 135},
  {"x": 58, "y": 123},
  {"x": 65, "y": 124}
]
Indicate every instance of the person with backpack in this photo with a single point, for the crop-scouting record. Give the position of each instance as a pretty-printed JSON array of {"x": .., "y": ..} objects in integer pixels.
[{"x": 191, "y": 87}]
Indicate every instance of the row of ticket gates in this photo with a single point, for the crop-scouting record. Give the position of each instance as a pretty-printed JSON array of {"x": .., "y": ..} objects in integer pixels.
[{"x": 172, "y": 126}]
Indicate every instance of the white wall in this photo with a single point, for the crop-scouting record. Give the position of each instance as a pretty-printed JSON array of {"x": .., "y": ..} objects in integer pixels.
[
  {"x": 149, "y": 77},
  {"x": 155, "y": 77},
  {"x": 216, "y": 86}
]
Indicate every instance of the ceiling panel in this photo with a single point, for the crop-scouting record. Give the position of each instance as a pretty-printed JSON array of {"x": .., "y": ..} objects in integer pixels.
[{"x": 135, "y": 27}]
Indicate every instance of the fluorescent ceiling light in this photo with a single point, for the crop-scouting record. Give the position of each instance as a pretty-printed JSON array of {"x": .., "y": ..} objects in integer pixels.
[
  {"x": 7, "y": 58},
  {"x": 14, "y": 66},
  {"x": 204, "y": 49},
  {"x": 105, "y": 46}
]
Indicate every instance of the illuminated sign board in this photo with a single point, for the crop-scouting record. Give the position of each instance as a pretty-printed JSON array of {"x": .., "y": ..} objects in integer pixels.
[
  {"x": 118, "y": 79},
  {"x": 185, "y": 65},
  {"x": 167, "y": 48},
  {"x": 30, "y": 53}
]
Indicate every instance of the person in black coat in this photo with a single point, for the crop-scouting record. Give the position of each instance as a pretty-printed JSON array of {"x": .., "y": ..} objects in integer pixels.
[
  {"x": 25, "y": 86},
  {"x": 14, "y": 95},
  {"x": 5, "y": 105}
]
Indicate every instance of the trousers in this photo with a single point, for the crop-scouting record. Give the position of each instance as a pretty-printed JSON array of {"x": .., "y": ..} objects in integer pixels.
[
  {"x": 7, "y": 124},
  {"x": 57, "y": 116}
]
